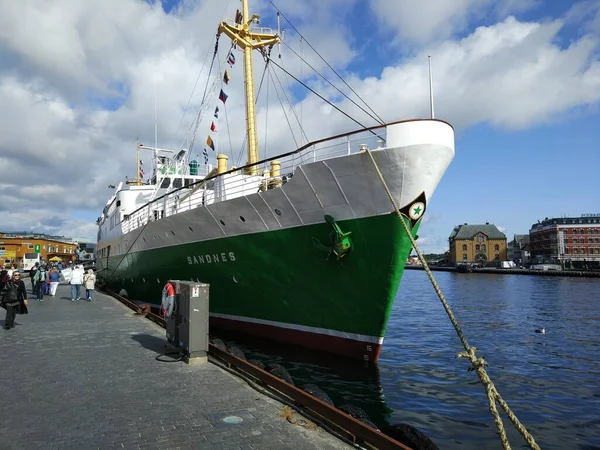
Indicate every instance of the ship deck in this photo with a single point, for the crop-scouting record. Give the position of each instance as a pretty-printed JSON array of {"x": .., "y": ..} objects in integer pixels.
[{"x": 85, "y": 376}]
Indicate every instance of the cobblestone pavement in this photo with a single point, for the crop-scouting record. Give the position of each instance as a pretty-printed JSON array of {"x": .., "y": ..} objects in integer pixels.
[{"x": 84, "y": 376}]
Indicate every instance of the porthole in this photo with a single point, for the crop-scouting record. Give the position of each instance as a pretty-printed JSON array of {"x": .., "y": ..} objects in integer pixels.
[
  {"x": 143, "y": 279},
  {"x": 157, "y": 280},
  {"x": 167, "y": 233},
  {"x": 191, "y": 229},
  {"x": 222, "y": 223},
  {"x": 235, "y": 280},
  {"x": 277, "y": 212},
  {"x": 144, "y": 239},
  {"x": 173, "y": 233},
  {"x": 242, "y": 218}
]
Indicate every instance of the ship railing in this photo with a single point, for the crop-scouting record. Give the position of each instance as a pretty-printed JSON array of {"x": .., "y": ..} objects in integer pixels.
[{"x": 236, "y": 182}]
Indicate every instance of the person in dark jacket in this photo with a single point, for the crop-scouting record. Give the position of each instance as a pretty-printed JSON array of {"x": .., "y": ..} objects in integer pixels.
[{"x": 14, "y": 299}]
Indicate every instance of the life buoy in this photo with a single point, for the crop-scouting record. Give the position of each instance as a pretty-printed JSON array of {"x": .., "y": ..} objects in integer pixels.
[{"x": 168, "y": 301}]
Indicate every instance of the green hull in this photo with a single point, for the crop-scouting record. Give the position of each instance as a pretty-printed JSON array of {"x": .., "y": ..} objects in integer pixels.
[{"x": 280, "y": 278}]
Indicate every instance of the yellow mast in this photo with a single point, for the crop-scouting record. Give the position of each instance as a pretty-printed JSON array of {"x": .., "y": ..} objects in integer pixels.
[{"x": 241, "y": 35}]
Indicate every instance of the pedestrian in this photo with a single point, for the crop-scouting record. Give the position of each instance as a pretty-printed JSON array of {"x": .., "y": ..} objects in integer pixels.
[
  {"x": 40, "y": 278},
  {"x": 76, "y": 282},
  {"x": 14, "y": 299},
  {"x": 90, "y": 284},
  {"x": 54, "y": 278},
  {"x": 32, "y": 273}
]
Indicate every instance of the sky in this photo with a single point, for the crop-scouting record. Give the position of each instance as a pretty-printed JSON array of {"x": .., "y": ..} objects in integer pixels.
[{"x": 518, "y": 79}]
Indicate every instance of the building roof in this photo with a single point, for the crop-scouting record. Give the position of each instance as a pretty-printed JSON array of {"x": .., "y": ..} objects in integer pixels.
[{"x": 467, "y": 231}]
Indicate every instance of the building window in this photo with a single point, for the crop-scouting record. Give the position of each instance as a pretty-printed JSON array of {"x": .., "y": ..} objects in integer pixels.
[
  {"x": 497, "y": 247},
  {"x": 574, "y": 230},
  {"x": 596, "y": 251},
  {"x": 464, "y": 247},
  {"x": 464, "y": 256},
  {"x": 483, "y": 247},
  {"x": 477, "y": 247},
  {"x": 582, "y": 250},
  {"x": 496, "y": 256},
  {"x": 574, "y": 251},
  {"x": 30, "y": 246}
]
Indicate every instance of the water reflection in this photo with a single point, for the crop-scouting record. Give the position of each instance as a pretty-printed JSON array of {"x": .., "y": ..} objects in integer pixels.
[{"x": 551, "y": 381}]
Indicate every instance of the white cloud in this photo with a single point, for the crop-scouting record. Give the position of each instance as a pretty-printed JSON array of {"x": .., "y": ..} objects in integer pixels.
[
  {"x": 59, "y": 150},
  {"x": 420, "y": 22}
]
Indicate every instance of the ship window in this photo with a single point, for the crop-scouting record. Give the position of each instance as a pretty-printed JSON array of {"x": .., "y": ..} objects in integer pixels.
[
  {"x": 188, "y": 181},
  {"x": 277, "y": 212},
  {"x": 118, "y": 202},
  {"x": 222, "y": 223},
  {"x": 242, "y": 218},
  {"x": 166, "y": 182},
  {"x": 191, "y": 229},
  {"x": 177, "y": 182}
]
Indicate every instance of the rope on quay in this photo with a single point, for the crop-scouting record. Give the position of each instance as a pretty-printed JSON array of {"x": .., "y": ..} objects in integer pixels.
[{"x": 477, "y": 364}]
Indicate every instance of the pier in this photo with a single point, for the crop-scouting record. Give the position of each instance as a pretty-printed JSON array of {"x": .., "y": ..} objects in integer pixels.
[
  {"x": 546, "y": 273},
  {"x": 84, "y": 375}
]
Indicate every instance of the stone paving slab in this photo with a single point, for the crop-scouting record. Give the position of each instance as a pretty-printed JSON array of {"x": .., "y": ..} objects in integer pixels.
[{"x": 79, "y": 375}]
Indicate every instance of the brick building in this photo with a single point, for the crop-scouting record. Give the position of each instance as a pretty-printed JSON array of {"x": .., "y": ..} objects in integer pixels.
[
  {"x": 13, "y": 246},
  {"x": 571, "y": 241},
  {"x": 477, "y": 243}
]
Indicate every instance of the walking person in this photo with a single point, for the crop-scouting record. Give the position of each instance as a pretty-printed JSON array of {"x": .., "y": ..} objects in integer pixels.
[
  {"x": 54, "y": 281},
  {"x": 76, "y": 282},
  {"x": 90, "y": 284},
  {"x": 32, "y": 273},
  {"x": 14, "y": 299},
  {"x": 40, "y": 278}
]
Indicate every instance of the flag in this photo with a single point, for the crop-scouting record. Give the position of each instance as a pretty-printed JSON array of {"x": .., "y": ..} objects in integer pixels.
[
  {"x": 141, "y": 173},
  {"x": 205, "y": 153},
  {"x": 223, "y": 96},
  {"x": 226, "y": 78},
  {"x": 213, "y": 127},
  {"x": 210, "y": 143},
  {"x": 141, "y": 162},
  {"x": 231, "y": 59},
  {"x": 217, "y": 112}
]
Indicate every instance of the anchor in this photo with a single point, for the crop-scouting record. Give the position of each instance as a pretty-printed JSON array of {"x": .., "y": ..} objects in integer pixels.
[{"x": 340, "y": 241}]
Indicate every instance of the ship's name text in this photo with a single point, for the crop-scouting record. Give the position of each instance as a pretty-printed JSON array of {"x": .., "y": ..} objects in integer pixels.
[{"x": 212, "y": 258}]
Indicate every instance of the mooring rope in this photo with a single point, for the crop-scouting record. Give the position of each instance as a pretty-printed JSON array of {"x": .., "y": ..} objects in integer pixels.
[{"x": 477, "y": 364}]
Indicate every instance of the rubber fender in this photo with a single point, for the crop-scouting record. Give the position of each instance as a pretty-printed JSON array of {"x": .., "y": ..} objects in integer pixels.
[
  {"x": 317, "y": 392},
  {"x": 410, "y": 436},
  {"x": 219, "y": 344},
  {"x": 279, "y": 371},
  {"x": 354, "y": 411},
  {"x": 257, "y": 363},
  {"x": 369, "y": 423},
  {"x": 237, "y": 352}
]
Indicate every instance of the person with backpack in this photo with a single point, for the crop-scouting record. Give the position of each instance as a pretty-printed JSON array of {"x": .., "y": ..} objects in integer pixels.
[
  {"x": 14, "y": 299},
  {"x": 40, "y": 278}
]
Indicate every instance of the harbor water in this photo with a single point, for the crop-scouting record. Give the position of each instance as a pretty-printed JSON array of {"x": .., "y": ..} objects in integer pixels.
[{"x": 551, "y": 380}]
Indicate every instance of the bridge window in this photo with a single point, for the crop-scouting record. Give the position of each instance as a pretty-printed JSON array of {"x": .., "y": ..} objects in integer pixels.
[
  {"x": 166, "y": 182},
  {"x": 177, "y": 183}
]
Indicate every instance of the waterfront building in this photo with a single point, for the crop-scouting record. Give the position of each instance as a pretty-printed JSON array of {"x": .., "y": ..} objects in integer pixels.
[
  {"x": 14, "y": 246},
  {"x": 573, "y": 242},
  {"x": 519, "y": 249},
  {"x": 477, "y": 244}
]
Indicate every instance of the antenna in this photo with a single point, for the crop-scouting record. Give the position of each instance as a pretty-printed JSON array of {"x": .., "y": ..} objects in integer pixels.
[
  {"x": 155, "y": 126},
  {"x": 431, "y": 90}
]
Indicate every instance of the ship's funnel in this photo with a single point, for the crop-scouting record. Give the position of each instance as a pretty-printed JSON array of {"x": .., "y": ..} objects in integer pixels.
[{"x": 222, "y": 163}]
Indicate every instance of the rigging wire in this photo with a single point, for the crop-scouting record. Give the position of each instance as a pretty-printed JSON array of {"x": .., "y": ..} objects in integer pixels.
[
  {"x": 327, "y": 101},
  {"x": 283, "y": 109},
  {"x": 198, "y": 77},
  {"x": 325, "y": 61},
  {"x": 375, "y": 118},
  {"x": 266, "y": 120},
  {"x": 271, "y": 73}
]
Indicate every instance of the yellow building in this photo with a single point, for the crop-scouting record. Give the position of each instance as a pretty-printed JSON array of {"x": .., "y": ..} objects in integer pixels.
[
  {"x": 477, "y": 243},
  {"x": 14, "y": 245}
]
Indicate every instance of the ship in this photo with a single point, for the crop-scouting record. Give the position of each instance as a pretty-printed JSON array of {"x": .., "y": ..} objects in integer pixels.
[{"x": 305, "y": 247}]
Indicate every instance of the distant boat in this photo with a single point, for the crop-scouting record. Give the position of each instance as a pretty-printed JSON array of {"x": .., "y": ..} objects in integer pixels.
[{"x": 307, "y": 250}]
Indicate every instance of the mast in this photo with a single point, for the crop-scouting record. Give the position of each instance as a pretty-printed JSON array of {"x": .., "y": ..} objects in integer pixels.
[
  {"x": 431, "y": 90},
  {"x": 248, "y": 40},
  {"x": 138, "y": 181}
]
